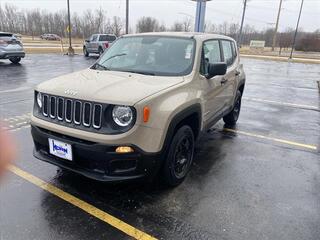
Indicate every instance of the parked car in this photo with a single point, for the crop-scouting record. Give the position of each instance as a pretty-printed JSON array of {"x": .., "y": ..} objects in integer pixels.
[
  {"x": 139, "y": 109},
  {"x": 98, "y": 43},
  {"x": 49, "y": 36},
  {"x": 11, "y": 48}
]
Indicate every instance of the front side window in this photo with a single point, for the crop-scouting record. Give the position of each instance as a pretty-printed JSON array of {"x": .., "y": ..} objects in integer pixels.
[
  {"x": 210, "y": 54},
  {"x": 227, "y": 52},
  {"x": 152, "y": 55},
  {"x": 94, "y": 38}
]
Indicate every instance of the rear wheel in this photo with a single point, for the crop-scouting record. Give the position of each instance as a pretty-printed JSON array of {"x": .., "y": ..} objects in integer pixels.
[
  {"x": 85, "y": 52},
  {"x": 15, "y": 60},
  {"x": 232, "y": 117},
  {"x": 180, "y": 157}
]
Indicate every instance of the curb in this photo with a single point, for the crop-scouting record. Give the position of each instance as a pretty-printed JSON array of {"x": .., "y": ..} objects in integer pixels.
[{"x": 282, "y": 59}]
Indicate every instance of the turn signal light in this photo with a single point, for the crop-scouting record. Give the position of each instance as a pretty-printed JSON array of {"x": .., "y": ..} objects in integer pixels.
[
  {"x": 124, "y": 149},
  {"x": 146, "y": 114}
]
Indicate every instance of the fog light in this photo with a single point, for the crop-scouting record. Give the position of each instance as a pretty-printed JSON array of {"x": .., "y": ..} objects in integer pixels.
[{"x": 124, "y": 149}]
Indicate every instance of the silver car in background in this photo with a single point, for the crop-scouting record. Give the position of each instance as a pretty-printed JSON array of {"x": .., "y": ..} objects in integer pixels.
[
  {"x": 11, "y": 47},
  {"x": 98, "y": 43}
]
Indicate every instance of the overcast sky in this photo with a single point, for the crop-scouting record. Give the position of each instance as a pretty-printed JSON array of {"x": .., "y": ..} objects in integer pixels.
[{"x": 260, "y": 13}]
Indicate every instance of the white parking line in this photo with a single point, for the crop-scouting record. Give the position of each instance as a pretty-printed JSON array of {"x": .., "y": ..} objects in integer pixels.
[
  {"x": 283, "y": 103},
  {"x": 284, "y": 141}
]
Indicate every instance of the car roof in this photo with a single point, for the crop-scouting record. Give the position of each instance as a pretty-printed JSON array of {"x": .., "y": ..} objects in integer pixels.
[
  {"x": 196, "y": 35},
  {"x": 109, "y": 34},
  {"x": 6, "y": 33}
]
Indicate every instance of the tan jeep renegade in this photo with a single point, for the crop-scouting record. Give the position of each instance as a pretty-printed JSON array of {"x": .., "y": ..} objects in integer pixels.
[{"x": 140, "y": 108}]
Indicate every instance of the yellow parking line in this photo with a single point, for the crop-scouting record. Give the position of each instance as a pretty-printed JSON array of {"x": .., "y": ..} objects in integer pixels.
[
  {"x": 88, "y": 208},
  {"x": 282, "y": 103},
  {"x": 313, "y": 147}
]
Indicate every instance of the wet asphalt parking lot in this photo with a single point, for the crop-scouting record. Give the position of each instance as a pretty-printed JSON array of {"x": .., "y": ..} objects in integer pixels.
[{"x": 259, "y": 180}]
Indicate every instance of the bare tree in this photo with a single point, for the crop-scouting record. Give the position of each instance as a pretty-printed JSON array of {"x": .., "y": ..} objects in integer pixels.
[
  {"x": 147, "y": 24},
  {"x": 187, "y": 24},
  {"x": 35, "y": 22},
  {"x": 177, "y": 27},
  {"x": 116, "y": 25},
  {"x": 162, "y": 28},
  {"x": 99, "y": 19}
]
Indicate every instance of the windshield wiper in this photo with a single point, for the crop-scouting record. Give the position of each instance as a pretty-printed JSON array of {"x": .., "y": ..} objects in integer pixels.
[
  {"x": 100, "y": 66},
  {"x": 140, "y": 72},
  {"x": 116, "y": 55}
]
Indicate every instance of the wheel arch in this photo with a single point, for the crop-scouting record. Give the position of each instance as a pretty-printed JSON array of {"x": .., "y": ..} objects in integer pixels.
[{"x": 188, "y": 116}]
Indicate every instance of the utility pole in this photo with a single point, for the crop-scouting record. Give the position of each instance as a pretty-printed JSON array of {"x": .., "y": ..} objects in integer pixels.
[
  {"x": 295, "y": 34},
  {"x": 127, "y": 16},
  {"x": 276, "y": 28},
  {"x": 70, "y": 49},
  {"x": 200, "y": 15},
  {"x": 242, "y": 21}
]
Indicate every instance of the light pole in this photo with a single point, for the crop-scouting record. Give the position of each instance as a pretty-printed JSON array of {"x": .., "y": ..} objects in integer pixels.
[
  {"x": 242, "y": 21},
  {"x": 200, "y": 15},
  {"x": 127, "y": 16},
  {"x": 276, "y": 28},
  {"x": 70, "y": 49},
  {"x": 295, "y": 34}
]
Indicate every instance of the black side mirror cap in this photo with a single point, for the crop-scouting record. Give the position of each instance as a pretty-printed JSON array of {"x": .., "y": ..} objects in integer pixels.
[
  {"x": 87, "y": 40},
  {"x": 216, "y": 69}
]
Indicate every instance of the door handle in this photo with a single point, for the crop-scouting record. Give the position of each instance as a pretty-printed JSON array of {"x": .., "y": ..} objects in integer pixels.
[
  {"x": 223, "y": 81},
  {"x": 237, "y": 73}
]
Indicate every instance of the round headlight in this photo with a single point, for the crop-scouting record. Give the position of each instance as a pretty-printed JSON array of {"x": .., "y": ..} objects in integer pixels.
[
  {"x": 122, "y": 115},
  {"x": 39, "y": 100}
]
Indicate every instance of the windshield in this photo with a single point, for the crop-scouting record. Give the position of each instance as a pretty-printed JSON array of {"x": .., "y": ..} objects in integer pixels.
[{"x": 152, "y": 55}]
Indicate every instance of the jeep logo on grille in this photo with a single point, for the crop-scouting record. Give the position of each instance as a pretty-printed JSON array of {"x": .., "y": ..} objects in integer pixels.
[{"x": 70, "y": 92}]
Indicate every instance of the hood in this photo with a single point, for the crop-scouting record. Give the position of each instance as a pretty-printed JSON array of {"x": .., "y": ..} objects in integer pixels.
[{"x": 108, "y": 86}]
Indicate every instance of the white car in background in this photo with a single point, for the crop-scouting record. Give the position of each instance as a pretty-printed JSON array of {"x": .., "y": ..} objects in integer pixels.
[{"x": 11, "y": 47}]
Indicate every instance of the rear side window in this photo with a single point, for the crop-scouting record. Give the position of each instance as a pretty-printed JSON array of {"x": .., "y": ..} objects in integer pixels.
[
  {"x": 107, "y": 38},
  {"x": 227, "y": 52},
  {"x": 234, "y": 50}
]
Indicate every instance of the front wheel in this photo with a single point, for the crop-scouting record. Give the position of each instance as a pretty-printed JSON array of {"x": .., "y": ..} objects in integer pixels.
[
  {"x": 85, "y": 52},
  {"x": 232, "y": 117},
  {"x": 15, "y": 60},
  {"x": 180, "y": 157}
]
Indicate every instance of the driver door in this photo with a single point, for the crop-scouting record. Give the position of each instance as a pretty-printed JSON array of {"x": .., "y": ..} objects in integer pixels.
[
  {"x": 213, "y": 89},
  {"x": 92, "y": 43}
]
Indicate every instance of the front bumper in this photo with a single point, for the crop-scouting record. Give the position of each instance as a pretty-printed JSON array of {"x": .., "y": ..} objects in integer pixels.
[{"x": 97, "y": 161}]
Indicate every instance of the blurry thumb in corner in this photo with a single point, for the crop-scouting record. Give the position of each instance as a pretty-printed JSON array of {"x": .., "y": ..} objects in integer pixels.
[{"x": 7, "y": 150}]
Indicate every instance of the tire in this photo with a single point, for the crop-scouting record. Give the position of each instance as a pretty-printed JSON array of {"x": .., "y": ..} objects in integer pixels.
[
  {"x": 232, "y": 117},
  {"x": 85, "y": 52},
  {"x": 179, "y": 157},
  {"x": 15, "y": 60},
  {"x": 100, "y": 51}
]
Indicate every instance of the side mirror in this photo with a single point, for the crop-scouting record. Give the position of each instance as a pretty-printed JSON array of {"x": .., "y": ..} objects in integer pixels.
[
  {"x": 215, "y": 69},
  {"x": 87, "y": 40}
]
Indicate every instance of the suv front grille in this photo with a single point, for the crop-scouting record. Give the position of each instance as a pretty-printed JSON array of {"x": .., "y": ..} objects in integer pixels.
[{"x": 72, "y": 111}]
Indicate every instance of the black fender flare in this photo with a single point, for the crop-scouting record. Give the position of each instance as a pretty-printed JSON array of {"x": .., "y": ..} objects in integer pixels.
[{"x": 178, "y": 117}]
